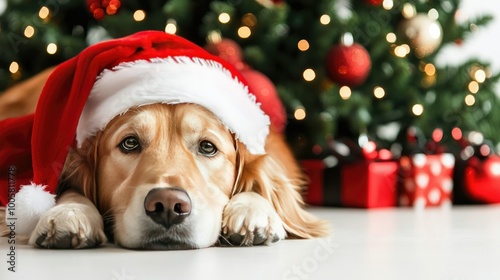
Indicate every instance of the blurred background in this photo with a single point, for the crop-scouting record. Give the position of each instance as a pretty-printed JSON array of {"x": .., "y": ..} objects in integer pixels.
[{"x": 389, "y": 72}]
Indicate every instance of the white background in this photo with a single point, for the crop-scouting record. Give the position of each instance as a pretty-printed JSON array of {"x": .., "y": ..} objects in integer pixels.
[{"x": 483, "y": 44}]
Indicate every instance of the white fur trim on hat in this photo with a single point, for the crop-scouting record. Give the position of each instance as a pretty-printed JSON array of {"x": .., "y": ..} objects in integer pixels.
[
  {"x": 31, "y": 201},
  {"x": 175, "y": 80}
]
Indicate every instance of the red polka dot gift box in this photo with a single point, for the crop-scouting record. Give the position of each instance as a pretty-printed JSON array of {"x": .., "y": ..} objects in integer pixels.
[{"x": 427, "y": 180}]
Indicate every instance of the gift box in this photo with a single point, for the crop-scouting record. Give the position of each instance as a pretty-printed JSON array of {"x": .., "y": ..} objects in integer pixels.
[
  {"x": 324, "y": 183},
  {"x": 477, "y": 180},
  {"x": 364, "y": 183},
  {"x": 370, "y": 184},
  {"x": 427, "y": 180}
]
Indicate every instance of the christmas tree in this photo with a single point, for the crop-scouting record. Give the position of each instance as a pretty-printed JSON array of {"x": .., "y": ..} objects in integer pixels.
[{"x": 358, "y": 70}]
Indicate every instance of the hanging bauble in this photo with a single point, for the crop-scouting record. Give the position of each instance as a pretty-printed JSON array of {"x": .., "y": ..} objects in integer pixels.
[
  {"x": 228, "y": 50},
  {"x": 266, "y": 94},
  {"x": 423, "y": 34},
  {"x": 374, "y": 2},
  {"x": 481, "y": 178},
  {"x": 348, "y": 65}
]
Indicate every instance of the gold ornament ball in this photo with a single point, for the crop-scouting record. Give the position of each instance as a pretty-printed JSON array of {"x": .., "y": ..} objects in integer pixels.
[{"x": 423, "y": 34}]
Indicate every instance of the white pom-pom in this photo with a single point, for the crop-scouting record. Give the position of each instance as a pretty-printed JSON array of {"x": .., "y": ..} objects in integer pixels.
[{"x": 28, "y": 206}]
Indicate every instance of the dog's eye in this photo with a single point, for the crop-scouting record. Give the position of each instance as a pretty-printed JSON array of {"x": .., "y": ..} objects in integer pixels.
[
  {"x": 207, "y": 148},
  {"x": 129, "y": 144}
]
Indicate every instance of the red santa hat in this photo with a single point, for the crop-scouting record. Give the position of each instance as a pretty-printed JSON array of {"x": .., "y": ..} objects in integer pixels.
[{"x": 83, "y": 94}]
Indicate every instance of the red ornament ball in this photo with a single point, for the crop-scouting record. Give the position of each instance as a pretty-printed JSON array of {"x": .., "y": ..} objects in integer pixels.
[
  {"x": 348, "y": 65},
  {"x": 482, "y": 179},
  {"x": 228, "y": 50},
  {"x": 374, "y": 2},
  {"x": 266, "y": 94}
]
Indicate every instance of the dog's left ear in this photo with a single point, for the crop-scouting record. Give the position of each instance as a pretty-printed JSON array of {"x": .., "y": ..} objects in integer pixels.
[
  {"x": 277, "y": 177},
  {"x": 78, "y": 173}
]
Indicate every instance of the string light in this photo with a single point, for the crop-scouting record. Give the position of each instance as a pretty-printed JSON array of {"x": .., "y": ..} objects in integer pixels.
[
  {"x": 14, "y": 67},
  {"x": 430, "y": 69},
  {"x": 29, "y": 31},
  {"x": 224, "y": 18},
  {"x": 480, "y": 75},
  {"x": 437, "y": 135},
  {"x": 345, "y": 92},
  {"x": 409, "y": 10},
  {"x": 473, "y": 87},
  {"x": 51, "y": 48},
  {"x": 244, "y": 32},
  {"x": 44, "y": 12},
  {"x": 378, "y": 92},
  {"x": 391, "y": 37},
  {"x": 300, "y": 113},
  {"x": 139, "y": 15},
  {"x": 303, "y": 45},
  {"x": 402, "y": 51},
  {"x": 456, "y": 133},
  {"x": 388, "y": 4},
  {"x": 249, "y": 19},
  {"x": 309, "y": 75},
  {"x": 433, "y": 14},
  {"x": 484, "y": 150},
  {"x": 214, "y": 37},
  {"x": 470, "y": 100},
  {"x": 171, "y": 26},
  {"x": 417, "y": 109},
  {"x": 475, "y": 137},
  {"x": 325, "y": 19}
]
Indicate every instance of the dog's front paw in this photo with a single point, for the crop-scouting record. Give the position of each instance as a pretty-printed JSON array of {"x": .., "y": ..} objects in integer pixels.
[
  {"x": 69, "y": 226},
  {"x": 249, "y": 219}
]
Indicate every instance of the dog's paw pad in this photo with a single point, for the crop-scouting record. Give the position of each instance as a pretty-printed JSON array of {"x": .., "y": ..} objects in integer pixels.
[
  {"x": 249, "y": 219},
  {"x": 69, "y": 226}
]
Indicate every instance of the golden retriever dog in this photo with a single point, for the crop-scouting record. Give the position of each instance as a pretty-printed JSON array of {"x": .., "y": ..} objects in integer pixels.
[
  {"x": 146, "y": 167},
  {"x": 173, "y": 177}
]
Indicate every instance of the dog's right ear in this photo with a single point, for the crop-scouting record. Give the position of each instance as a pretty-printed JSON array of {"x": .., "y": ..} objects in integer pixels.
[{"x": 79, "y": 170}]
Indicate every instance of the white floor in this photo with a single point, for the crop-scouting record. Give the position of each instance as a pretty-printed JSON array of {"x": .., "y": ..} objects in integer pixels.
[{"x": 456, "y": 244}]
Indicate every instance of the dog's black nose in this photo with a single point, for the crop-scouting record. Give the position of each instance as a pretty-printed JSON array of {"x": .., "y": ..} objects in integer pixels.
[{"x": 167, "y": 206}]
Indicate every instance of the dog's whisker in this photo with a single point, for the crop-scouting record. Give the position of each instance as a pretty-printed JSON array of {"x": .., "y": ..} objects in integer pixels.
[{"x": 225, "y": 240}]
